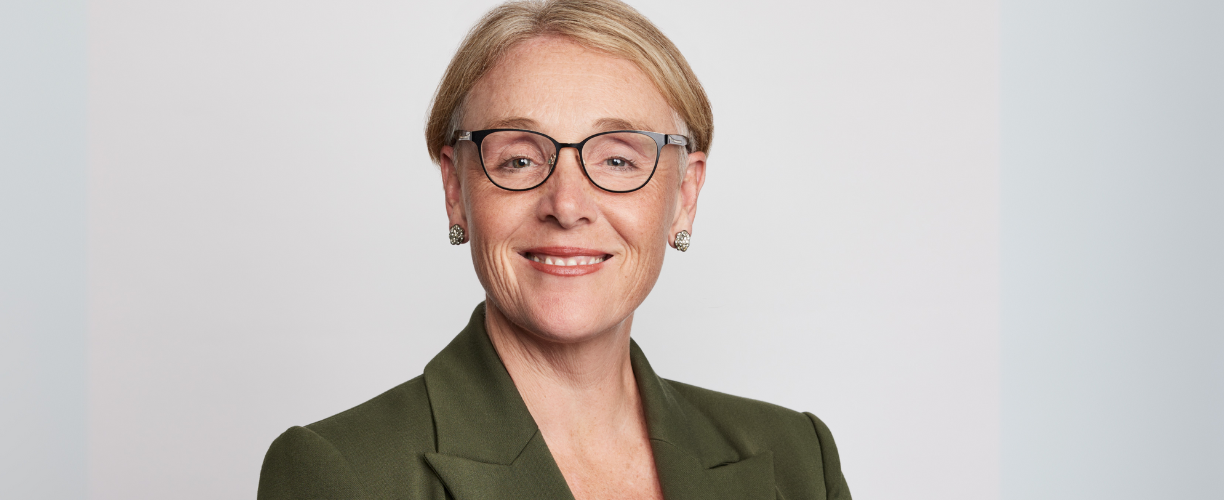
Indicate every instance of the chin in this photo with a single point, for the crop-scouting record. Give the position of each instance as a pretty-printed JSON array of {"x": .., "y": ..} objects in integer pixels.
[{"x": 569, "y": 319}]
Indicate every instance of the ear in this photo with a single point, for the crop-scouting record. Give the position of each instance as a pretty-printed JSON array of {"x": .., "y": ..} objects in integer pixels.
[
  {"x": 690, "y": 189},
  {"x": 453, "y": 188}
]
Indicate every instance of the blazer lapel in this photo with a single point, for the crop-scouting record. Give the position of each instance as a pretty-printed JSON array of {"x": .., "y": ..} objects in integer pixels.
[
  {"x": 488, "y": 445},
  {"x": 531, "y": 476},
  {"x": 694, "y": 460}
]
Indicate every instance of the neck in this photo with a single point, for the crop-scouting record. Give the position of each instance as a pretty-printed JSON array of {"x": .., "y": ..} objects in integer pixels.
[{"x": 575, "y": 391}]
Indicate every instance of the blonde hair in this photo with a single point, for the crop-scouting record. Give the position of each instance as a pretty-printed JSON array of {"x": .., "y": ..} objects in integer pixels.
[{"x": 606, "y": 25}]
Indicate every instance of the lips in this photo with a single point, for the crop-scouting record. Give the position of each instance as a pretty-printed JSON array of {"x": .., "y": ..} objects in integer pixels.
[
  {"x": 566, "y": 261},
  {"x": 581, "y": 260}
]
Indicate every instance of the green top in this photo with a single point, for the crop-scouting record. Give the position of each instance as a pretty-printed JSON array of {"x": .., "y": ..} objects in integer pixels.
[{"x": 462, "y": 431}]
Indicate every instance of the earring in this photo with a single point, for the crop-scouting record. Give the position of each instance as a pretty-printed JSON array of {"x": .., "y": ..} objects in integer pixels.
[
  {"x": 457, "y": 236},
  {"x": 682, "y": 240}
]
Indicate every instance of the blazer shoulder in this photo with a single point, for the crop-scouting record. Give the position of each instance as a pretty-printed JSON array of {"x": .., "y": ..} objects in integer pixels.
[
  {"x": 805, "y": 455},
  {"x": 729, "y": 412},
  {"x": 404, "y": 410},
  {"x": 300, "y": 464},
  {"x": 377, "y": 446}
]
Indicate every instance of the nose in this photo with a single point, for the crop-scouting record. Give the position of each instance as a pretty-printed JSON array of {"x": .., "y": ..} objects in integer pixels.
[{"x": 568, "y": 198}]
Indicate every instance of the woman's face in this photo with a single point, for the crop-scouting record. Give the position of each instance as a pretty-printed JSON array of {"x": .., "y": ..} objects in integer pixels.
[{"x": 614, "y": 243}]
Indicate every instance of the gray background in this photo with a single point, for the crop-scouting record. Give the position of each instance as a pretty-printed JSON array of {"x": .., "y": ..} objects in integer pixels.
[
  {"x": 1002, "y": 239},
  {"x": 1113, "y": 249},
  {"x": 42, "y": 249}
]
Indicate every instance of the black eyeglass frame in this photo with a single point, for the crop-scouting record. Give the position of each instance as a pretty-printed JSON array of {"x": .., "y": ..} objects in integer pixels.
[{"x": 478, "y": 136}]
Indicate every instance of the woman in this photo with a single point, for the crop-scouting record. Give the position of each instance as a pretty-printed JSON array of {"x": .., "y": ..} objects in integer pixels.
[{"x": 572, "y": 139}]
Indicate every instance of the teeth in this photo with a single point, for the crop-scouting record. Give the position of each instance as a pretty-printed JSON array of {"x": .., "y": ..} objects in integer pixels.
[{"x": 581, "y": 260}]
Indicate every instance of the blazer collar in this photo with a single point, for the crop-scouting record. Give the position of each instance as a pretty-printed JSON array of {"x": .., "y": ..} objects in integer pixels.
[{"x": 488, "y": 445}]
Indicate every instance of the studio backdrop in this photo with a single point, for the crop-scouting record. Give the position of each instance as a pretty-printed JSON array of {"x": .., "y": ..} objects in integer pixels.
[
  {"x": 267, "y": 236},
  {"x": 998, "y": 225}
]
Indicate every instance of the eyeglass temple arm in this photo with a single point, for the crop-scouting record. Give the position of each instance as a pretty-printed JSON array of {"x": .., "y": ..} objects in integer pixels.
[{"x": 678, "y": 140}]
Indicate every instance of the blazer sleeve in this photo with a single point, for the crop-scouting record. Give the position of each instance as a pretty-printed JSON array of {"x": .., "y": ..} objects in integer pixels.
[
  {"x": 834, "y": 481},
  {"x": 303, "y": 465}
]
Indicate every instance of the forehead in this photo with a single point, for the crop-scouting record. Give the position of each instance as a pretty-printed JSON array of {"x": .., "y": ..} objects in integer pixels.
[{"x": 560, "y": 87}]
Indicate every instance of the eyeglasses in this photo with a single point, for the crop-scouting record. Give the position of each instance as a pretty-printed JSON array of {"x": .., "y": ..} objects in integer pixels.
[{"x": 619, "y": 161}]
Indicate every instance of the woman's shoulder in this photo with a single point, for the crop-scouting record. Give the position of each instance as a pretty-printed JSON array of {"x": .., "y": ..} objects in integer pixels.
[
  {"x": 801, "y": 444},
  {"x": 731, "y": 407},
  {"x": 351, "y": 454},
  {"x": 403, "y": 410},
  {"x": 734, "y": 412}
]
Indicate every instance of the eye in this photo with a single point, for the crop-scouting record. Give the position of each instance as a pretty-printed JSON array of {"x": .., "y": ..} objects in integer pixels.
[
  {"x": 618, "y": 163},
  {"x": 520, "y": 162}
]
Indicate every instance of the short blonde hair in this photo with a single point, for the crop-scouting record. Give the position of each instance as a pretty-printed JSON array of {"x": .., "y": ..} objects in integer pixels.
[{"x": 606, "y": 25}]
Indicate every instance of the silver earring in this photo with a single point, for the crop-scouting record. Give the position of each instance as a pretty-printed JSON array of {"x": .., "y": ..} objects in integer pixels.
[
  {"x": 682, "y": 240},
  {"x": 457, "y": 235}
]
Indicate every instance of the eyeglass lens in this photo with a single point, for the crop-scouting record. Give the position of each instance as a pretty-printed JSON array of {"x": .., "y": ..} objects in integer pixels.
[{"x": 618, "y": 161}]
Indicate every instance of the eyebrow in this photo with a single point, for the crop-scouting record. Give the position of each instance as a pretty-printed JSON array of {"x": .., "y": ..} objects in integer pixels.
[
  {"x": 603, "y": 124},
  {"x": 606, "y": 124},
  {"x": 515, "y": 122}
]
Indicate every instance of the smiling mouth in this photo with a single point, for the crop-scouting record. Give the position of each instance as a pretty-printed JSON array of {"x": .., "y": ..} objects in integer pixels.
[{"x": 570, "y": 260}]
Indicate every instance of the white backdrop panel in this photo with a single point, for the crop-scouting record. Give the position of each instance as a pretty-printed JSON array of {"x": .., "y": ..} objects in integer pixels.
[{"x": 267, "y": 235}]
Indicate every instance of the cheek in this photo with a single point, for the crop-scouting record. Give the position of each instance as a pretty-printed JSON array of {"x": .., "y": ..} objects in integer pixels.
[
  {"x": 489, "y": 208},
  {"x": 652, "y": 210},
  {"x": 492, "y": 217},
  {"x": 643, "y": 220}
]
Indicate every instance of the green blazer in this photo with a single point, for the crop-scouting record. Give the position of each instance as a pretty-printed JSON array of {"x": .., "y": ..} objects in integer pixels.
[{"x": 462, "y": 431}]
